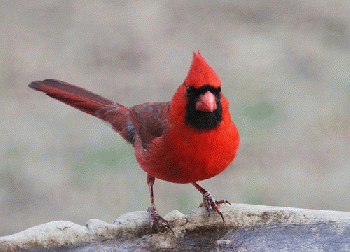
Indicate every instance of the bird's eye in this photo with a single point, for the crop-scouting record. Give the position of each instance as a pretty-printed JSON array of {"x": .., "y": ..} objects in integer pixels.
[{"x": 189, "y": 89}]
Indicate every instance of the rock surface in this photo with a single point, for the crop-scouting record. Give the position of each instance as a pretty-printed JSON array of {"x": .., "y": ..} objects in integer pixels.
[{"x": 246, "y": 227}]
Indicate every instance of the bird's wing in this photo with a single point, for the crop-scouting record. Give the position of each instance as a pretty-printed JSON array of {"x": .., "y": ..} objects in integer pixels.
[{"x": 149, "y": 120}]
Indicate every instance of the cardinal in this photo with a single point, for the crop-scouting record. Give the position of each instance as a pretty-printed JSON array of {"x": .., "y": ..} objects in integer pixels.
[{"x": 188, "y": 139}]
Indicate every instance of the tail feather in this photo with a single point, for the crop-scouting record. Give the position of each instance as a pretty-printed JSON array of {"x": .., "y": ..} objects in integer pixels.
[
  {"x": 90, "y": 103},
  {"x": 71, "y": 95}
]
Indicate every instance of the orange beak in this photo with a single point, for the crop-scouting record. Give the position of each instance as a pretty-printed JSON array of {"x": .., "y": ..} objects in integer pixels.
[{"x": 206, "y": 102}]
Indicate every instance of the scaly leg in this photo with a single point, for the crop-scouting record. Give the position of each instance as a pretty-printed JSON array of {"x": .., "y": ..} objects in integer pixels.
[
  {"x": 209, "y": 202},
  {"x": 157, "y": 222}
]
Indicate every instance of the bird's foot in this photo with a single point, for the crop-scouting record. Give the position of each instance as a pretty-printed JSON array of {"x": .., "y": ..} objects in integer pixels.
[
  {"x": 157, "y": 222},
  {"x": 211, "y": 204}
]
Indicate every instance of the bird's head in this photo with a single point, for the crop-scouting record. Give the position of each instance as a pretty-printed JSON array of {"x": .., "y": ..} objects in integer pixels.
[{"x": 199, "y": 99}]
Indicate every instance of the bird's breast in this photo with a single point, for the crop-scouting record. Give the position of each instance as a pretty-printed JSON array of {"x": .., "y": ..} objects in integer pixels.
[{"x": 187, "y": 155}]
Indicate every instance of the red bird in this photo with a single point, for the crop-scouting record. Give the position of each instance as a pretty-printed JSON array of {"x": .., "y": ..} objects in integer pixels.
[{"x": 186, "y": 140}]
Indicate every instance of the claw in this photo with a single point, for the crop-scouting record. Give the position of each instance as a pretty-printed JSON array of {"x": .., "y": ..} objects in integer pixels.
[
  {"x": 209, "y": 202},
  {"x": 212, "y": 205},
  {"x": 157, "y": 222}
]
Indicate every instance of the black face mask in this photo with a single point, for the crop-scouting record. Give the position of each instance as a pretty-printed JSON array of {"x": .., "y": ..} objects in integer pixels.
[{"x": 199, "y": 119}]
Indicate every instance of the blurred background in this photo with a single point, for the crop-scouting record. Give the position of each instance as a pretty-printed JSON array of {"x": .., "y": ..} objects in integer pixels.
[{"x": 284, "y": 67}]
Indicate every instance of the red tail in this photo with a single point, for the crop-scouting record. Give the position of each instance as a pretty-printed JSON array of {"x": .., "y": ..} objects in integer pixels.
[
  {"x": 88, "y": 102},
  {"x": 74, "y": 96}
]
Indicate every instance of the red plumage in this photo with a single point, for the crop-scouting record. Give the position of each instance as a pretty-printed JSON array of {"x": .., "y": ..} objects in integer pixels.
[{"x": 189, "y": 139}]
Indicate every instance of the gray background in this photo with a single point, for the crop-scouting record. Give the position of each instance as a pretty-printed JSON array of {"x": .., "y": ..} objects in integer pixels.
[{"x": 284, "y": 67}]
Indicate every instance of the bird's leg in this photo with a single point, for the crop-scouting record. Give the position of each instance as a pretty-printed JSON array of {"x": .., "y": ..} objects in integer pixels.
[
  {"x": 209, "y": 202},
  {"x": 157, "y": 222}
]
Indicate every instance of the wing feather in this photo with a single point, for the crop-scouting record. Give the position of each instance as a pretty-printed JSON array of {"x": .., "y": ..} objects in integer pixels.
[{"x": 149, "y": 120}]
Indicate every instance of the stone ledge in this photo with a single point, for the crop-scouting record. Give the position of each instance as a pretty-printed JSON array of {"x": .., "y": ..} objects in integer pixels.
[{"x": 134, "y": 227}]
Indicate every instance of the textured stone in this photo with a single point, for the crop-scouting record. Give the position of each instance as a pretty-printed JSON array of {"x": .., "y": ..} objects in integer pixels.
[{"x": 245, "y": 226}]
